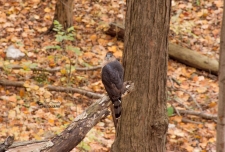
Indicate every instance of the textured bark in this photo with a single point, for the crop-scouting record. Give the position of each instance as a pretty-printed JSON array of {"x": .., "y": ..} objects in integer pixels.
[
  {"x": 181, "y": 54},
  {"x": 64, "y": 13},
  {"x": 220, "y": 145},
  {"x": 143, "y": 123}
]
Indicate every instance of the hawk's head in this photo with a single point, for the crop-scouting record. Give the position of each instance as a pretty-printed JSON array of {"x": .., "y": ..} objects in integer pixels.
[{"x": 109, "y": 57}]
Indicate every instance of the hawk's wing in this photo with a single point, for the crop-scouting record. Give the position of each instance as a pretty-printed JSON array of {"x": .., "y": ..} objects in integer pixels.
[{"x": 112, "y": 78}]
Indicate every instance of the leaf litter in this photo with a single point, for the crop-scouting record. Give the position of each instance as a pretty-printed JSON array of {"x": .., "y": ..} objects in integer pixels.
[{"x": 194, "y": 24}]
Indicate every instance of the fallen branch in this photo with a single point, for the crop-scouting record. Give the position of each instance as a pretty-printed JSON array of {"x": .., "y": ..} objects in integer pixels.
[
  {"x": 22, "y": 143},
  {"x": 77, "y": 130},
  {"x": 51, "y": 70},
  {"x": 183, "y": 55},
  {"x": 54, "y": 88},
  {"x": 198, "y": 105},
  {"x": 190, "y": 121},
  {"x": 173, "y": 88},
  {"x": 25, "y": 145},
  {"x": 199, "y": 114},
  {"x": 178, "y": 101}
]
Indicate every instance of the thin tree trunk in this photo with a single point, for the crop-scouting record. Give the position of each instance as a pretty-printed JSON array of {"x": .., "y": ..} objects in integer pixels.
[
  {"x": 143, "y": 123},
  {"x": 220, "y": 145},
  {"x": 64, "y": 13}
]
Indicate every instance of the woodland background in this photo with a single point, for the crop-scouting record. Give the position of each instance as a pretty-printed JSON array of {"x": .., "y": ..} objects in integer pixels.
[{"x": 194, "y": 25}]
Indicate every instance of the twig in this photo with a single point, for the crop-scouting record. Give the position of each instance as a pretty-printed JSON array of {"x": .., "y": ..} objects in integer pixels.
[
  {"x": 89, "y": 69},
  {"x": 178, "y": 89},
  {"x": 176, "y": 110},
  {"x": 205, "y": 74},
  {"x": 190, "y": 121},
  {"x": 173, "y": 80},
  {"x": 178, "y": 101},
  {"x": 75, "y": 90},
  {"x": 54, "y": 88},
  {"x": 51, "y": 70}
]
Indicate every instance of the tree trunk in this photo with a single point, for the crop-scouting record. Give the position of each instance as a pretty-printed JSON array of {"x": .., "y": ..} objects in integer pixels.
[
  {"x": 143, "y": 123},
  {"x": 64, "y": 13},
  {"x": 220, "y": 140}
]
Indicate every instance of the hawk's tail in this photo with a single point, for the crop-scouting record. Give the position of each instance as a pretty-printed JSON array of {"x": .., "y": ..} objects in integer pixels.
[{"x": 117, "y": 108}]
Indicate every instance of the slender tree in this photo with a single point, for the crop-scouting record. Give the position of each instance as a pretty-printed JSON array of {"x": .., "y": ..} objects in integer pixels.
[
  {"x": 220, "y": 143},
  {"x": 143, "y": 123},
  {"x": 64, "y": 13}
]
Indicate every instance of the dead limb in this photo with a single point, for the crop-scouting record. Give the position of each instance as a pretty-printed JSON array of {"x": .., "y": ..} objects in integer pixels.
[
  {"x": 76, "y": 131},
  {"x": 199, "y": 114},
  {"x": 190, "y": 121},
  {"x": 54, "y": 88}
]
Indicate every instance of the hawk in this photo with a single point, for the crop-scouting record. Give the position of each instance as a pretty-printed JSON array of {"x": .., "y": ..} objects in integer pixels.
[{"x": 112, "y": 78}]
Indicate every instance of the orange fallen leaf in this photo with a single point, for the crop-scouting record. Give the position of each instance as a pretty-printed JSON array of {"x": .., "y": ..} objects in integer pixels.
[
  {"x": 47, "y": 10},
  {"x": 195, "y": 78},
  {"x": 12, "y": 114},
  {"x": 37, "y": 137},
  {"x": 22, "y": 92},
  {"x": 93, "y": 38},
  {"x": 112, "y": 48},
  {"x": 12, "y": 98},
  {"x": 63, "y": 71},
  {"x": 219, "y": 3},
  {"x": 51, "y": 121},
  {"x": 212, "y": 104},
  {"x": 178, "y": 118},
  {"x": 102, "y": 42},
  {"x": 201, "y": 89}
]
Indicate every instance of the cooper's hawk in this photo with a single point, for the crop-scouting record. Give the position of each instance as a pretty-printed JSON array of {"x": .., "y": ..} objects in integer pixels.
[{"x": 112, "y": 78}]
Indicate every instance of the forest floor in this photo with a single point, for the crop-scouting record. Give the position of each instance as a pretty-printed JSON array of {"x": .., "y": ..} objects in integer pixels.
[{"x": 194, "y": 25}]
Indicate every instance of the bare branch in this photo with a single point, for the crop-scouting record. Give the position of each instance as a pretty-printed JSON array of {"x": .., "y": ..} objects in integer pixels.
[
  {"x": 179, "y": 89},
  {"x": 199, "y": 114},
  {"x": 51, "y": 70},
  {"x": 178, "y": 101},
  {"x": 54, "y": 88},
  {"x": 190, "y": 121}
]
